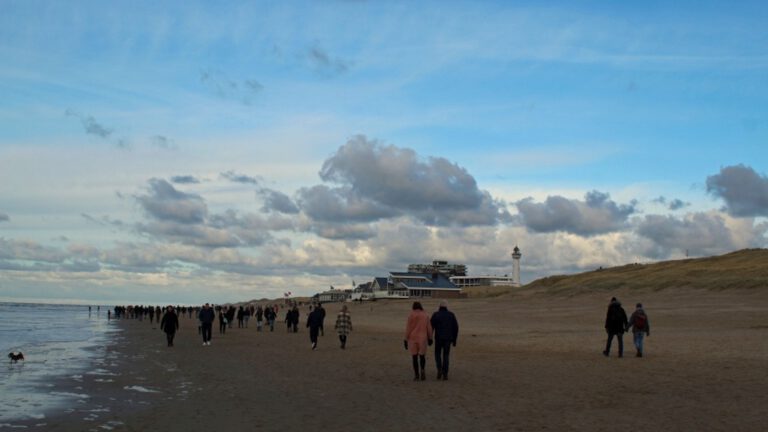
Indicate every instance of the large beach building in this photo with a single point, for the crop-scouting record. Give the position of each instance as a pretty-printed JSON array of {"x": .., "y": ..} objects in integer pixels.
[
  {"x": 436, "y": 280},
  {"x": 432, "y": 285}
]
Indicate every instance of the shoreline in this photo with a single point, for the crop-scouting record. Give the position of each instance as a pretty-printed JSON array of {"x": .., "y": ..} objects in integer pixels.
[
  {"x": 38, "y": 386},
  {"x": 520, "y": 364}
]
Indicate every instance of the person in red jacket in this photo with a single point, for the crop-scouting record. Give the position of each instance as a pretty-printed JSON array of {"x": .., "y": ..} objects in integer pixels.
[{"x": 418, "y": 334}]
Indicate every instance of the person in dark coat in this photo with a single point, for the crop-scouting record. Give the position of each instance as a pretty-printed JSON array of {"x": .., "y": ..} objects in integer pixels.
[
  {"x": 230, "y": 316},
  {"x": 206, "y": 317},
  {"x": 294, "y": 324},
  {"x": 223, "y": 322},
  {"x": 322, "y": 317},
  {"x": 259, "y": 317},
  {"x": 270, "y": 315},
  {"x": 446, "y": 331},
  {"x": 314, "y": 322},
  {"x": 169, "y": 324},
  {"x": 615, "y": 325}
]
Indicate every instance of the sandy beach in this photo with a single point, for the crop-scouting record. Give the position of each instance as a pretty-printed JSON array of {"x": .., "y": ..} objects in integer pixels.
[{"x": 523, "y": 362}]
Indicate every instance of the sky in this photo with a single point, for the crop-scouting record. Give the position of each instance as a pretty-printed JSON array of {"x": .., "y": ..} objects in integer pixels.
[{"x": 198, "y": 151}]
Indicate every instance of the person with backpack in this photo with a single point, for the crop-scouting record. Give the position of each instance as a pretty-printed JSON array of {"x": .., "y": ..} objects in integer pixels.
[
  {"x": 639, "y": 324},
  {"x": 615, "y": 325}
]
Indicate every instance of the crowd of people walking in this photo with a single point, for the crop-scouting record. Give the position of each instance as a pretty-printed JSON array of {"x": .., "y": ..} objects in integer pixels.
[{"x": 441, "y": 329}]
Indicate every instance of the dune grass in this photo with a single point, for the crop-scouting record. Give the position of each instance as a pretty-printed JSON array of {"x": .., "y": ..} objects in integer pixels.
[{"x": 744, "y": 269}]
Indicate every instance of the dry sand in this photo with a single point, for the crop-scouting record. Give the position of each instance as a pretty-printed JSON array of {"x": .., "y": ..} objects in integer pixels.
[{"x": 523, "y": 362}]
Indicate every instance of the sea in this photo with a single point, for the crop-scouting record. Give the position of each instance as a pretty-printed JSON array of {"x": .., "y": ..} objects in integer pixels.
[{"x": 58, "y": 341}]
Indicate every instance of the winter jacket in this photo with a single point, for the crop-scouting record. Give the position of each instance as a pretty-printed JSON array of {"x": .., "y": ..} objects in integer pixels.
[
  {"x": 418, "y": 328},
  {"x": 206, "y": 315},
  {"x": 634, "y": 321},
  {"x": 445, "y": 325},
  {"x": 315, "y": 319},
  {"x": 616, "y": 318},
  {"x": 169, "y": 323},
  {"x": 343, "y": 323}
]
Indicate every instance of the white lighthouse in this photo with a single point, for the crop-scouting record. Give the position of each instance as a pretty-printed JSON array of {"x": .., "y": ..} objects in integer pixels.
[{"x": 516, "y": 266}]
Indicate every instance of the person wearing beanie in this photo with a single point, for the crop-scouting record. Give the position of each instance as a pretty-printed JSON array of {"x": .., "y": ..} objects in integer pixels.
[
  {"x": 446, "y": 331},
  {"x": 640, "y": 326},
  {"x": 615, "y": 325}
]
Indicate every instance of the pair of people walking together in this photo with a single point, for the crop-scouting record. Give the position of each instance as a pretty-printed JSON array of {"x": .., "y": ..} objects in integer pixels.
[
  {"x": 343, "y": 325},
  {"x": 616, "y": 323},
  {"x": 421, "y": 331}
]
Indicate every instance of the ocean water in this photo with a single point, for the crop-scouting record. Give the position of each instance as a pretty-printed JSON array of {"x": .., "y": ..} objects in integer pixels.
[{"x": 57, "y": 341}]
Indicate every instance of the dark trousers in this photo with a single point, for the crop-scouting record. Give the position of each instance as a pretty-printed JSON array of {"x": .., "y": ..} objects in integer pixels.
[
  {"x": 170, "y": 336},
  {"x": 207, "y": 327},
  {"x": 620, "y": 337},
  {"x": 343, "y": 339},
  {"x": 442, "y": 354},
  {"x": 313, "y": 332}
]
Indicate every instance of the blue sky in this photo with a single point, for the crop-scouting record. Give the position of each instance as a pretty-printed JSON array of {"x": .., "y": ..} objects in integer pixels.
[{"x": 199, "y": 151}]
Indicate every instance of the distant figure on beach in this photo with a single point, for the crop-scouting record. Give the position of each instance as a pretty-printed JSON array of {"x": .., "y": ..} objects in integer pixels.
[
  {"x": 418, "y": 334},
  {"x": 270, "y": 315},
  {"x": 314, "y": 322},
  {"x": 322, "y": 317},
  {"x": 206, "y": 317},
  {"x": 615, "y": 324},
  {"x": 240, "y": 317},
  {"x": 446, "y": 329},
  {"x": 640, "y": 326},
  {"x": 230, "y": 316},
  {"x": 259, "y": 317},
  {"x": 343, "y": 325},
  {"x": 169, "y": 324},
  {"x": 223, "y": 322},
  {"x": 292, "y": 318}
]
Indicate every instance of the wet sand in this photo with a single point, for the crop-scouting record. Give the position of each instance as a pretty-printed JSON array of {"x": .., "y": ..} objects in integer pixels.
[{"x": 525, "y": 362}]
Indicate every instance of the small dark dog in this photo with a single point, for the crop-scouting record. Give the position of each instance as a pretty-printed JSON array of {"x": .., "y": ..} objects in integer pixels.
[{"x": 15, "y": 357}]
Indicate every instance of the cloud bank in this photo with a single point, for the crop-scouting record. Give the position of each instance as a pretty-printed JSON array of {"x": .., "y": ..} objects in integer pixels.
[
  {"x": 596, "y": 214},
  {"x": 744, "y": 191}
]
